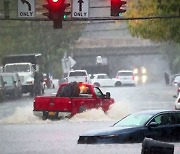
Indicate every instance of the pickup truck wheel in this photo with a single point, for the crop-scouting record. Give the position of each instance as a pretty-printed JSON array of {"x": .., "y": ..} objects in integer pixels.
[
  {"x": 82, "y": 109},
  {"x": 45, "y": 115},
  {"x": 32, "y": 93},
  {"x": 15, "y": 95},
  {"x": 118, "y": 84},
  {"x": 97, "y": 84}
]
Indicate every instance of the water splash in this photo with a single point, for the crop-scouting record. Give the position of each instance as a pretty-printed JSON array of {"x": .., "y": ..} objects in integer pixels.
[
  {"x": 118, "y": 110},
  {"x": 91, "y": 115},
  {"x": 24, "y": 115}
]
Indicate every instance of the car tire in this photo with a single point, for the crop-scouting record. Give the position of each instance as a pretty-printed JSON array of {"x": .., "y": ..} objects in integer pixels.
[
  {"x": 97, "y": 84},
  {"x": 134, "y": 85},
  {"x": 82, "y": 109},
  {"x": 32, "y": 93},
  {"x": 2, "y": 98},
  {"x": 20, "y": 94},
  {"x": 15, "y": 95},
  {"x": 118, "y": 84}
]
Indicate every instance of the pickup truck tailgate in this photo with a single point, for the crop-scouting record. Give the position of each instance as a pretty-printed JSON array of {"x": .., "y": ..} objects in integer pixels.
[
  {"x": 77, "y": 79},
  {"x": 43, "y": 103}
]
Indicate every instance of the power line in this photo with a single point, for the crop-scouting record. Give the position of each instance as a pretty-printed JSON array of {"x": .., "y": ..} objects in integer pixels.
[{"x": 98, "y": 18}]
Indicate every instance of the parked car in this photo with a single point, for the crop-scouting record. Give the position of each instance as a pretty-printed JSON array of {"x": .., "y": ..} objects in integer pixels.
[
  {"x": 176, "y": 84},
  {"x": 105, "y": 80},
  {"x": 2, "y": 89},
  {"x": 177, "y": 102},
  {"x": 126, "y": 77},
  {"x": 78, "y": 76},
  {"x": 176, "y": 79},
  {"x": 155, "y": 124},
  {"x": 10, "y": 85},
  {"x": 17, "y": 82}
]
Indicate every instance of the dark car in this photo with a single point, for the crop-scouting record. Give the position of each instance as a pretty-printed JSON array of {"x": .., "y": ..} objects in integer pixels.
[
  {"x": 10, "y": 85},
  {"x": 17, "y": 82},
  {"x": 163, "y": 125},
  {"x": 2, "y": 89}
]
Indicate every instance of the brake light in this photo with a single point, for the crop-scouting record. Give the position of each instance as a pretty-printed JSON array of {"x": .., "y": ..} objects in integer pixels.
[
  {"x": 133, "y": 77},
  {"x": 179, "y": 100}
]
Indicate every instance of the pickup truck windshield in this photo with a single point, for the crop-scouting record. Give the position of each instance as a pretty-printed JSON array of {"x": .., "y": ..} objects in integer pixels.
[
  {"x": 17, "y": 68},
  {"x": 77, "y": 74}
]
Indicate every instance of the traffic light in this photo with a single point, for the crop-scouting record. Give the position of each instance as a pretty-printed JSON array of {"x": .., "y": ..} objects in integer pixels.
[
  {"x": 56, "y": 11},
  {"x": 116, "y": 9}
]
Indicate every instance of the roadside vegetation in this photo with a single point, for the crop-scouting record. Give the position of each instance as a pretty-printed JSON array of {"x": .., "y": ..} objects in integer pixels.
[{"x": 166, "y": 31}]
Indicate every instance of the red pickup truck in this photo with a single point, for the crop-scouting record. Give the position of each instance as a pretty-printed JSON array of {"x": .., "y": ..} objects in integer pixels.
[{"x": 70, "y": 99}]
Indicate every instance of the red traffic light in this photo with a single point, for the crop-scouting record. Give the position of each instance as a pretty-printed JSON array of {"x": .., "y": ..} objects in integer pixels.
[
  {"x": 56, "y": 11},
  {"x": 55, "y": 5},
  {"x": 116, "y": 9}
]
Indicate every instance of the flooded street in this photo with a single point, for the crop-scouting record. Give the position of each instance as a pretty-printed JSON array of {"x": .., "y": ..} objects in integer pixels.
[{"x": 22, "y": 132}]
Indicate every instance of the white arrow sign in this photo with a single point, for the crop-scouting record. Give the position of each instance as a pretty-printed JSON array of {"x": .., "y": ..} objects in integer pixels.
[
  {"x": 72, "y": 61},
  {"x": 26, "y": 8},
  {"x": 80, "y": 8}
]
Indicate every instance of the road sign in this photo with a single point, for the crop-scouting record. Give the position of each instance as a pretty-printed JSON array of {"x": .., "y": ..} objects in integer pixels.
[
  {"x": 26, "y": 8},
  {"x": 80, "y": 8},
  {"x": 66, "y": 65},
  {"x": 72, "y": 61}
]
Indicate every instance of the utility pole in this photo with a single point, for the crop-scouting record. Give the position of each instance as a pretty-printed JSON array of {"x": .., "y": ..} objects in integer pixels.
[{"x": 6, "y": 9}]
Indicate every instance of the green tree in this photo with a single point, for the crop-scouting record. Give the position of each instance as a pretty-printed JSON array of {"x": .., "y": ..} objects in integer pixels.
[
  {"x": 158, "y": 30},
  {"x": 38, "y": 37}
]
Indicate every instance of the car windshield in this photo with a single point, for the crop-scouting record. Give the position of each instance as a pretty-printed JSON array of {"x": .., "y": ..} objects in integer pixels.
[
  {"x": 137, "y": 119},
  {"x": 17, "y": 68},
  {"x": 125, "y": 73}
]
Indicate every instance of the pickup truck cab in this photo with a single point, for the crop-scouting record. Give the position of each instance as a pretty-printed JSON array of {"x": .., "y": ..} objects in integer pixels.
[{"x": 71, "y": 98}]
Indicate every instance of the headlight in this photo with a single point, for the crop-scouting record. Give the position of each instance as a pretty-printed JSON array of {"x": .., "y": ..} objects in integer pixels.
[
  {"x": 143, "y": 71},
  {"x": 144, "y": 78},
  {"x": 136, "y": 78},
  {"x": 135, "y": 71}
]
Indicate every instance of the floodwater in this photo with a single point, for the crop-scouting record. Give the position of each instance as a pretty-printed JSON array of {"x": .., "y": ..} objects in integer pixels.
[{"x": 22, "y": 132}]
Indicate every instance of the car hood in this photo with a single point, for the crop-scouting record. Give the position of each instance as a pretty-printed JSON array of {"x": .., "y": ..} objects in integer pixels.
[{"x": 108, "y": 131}]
